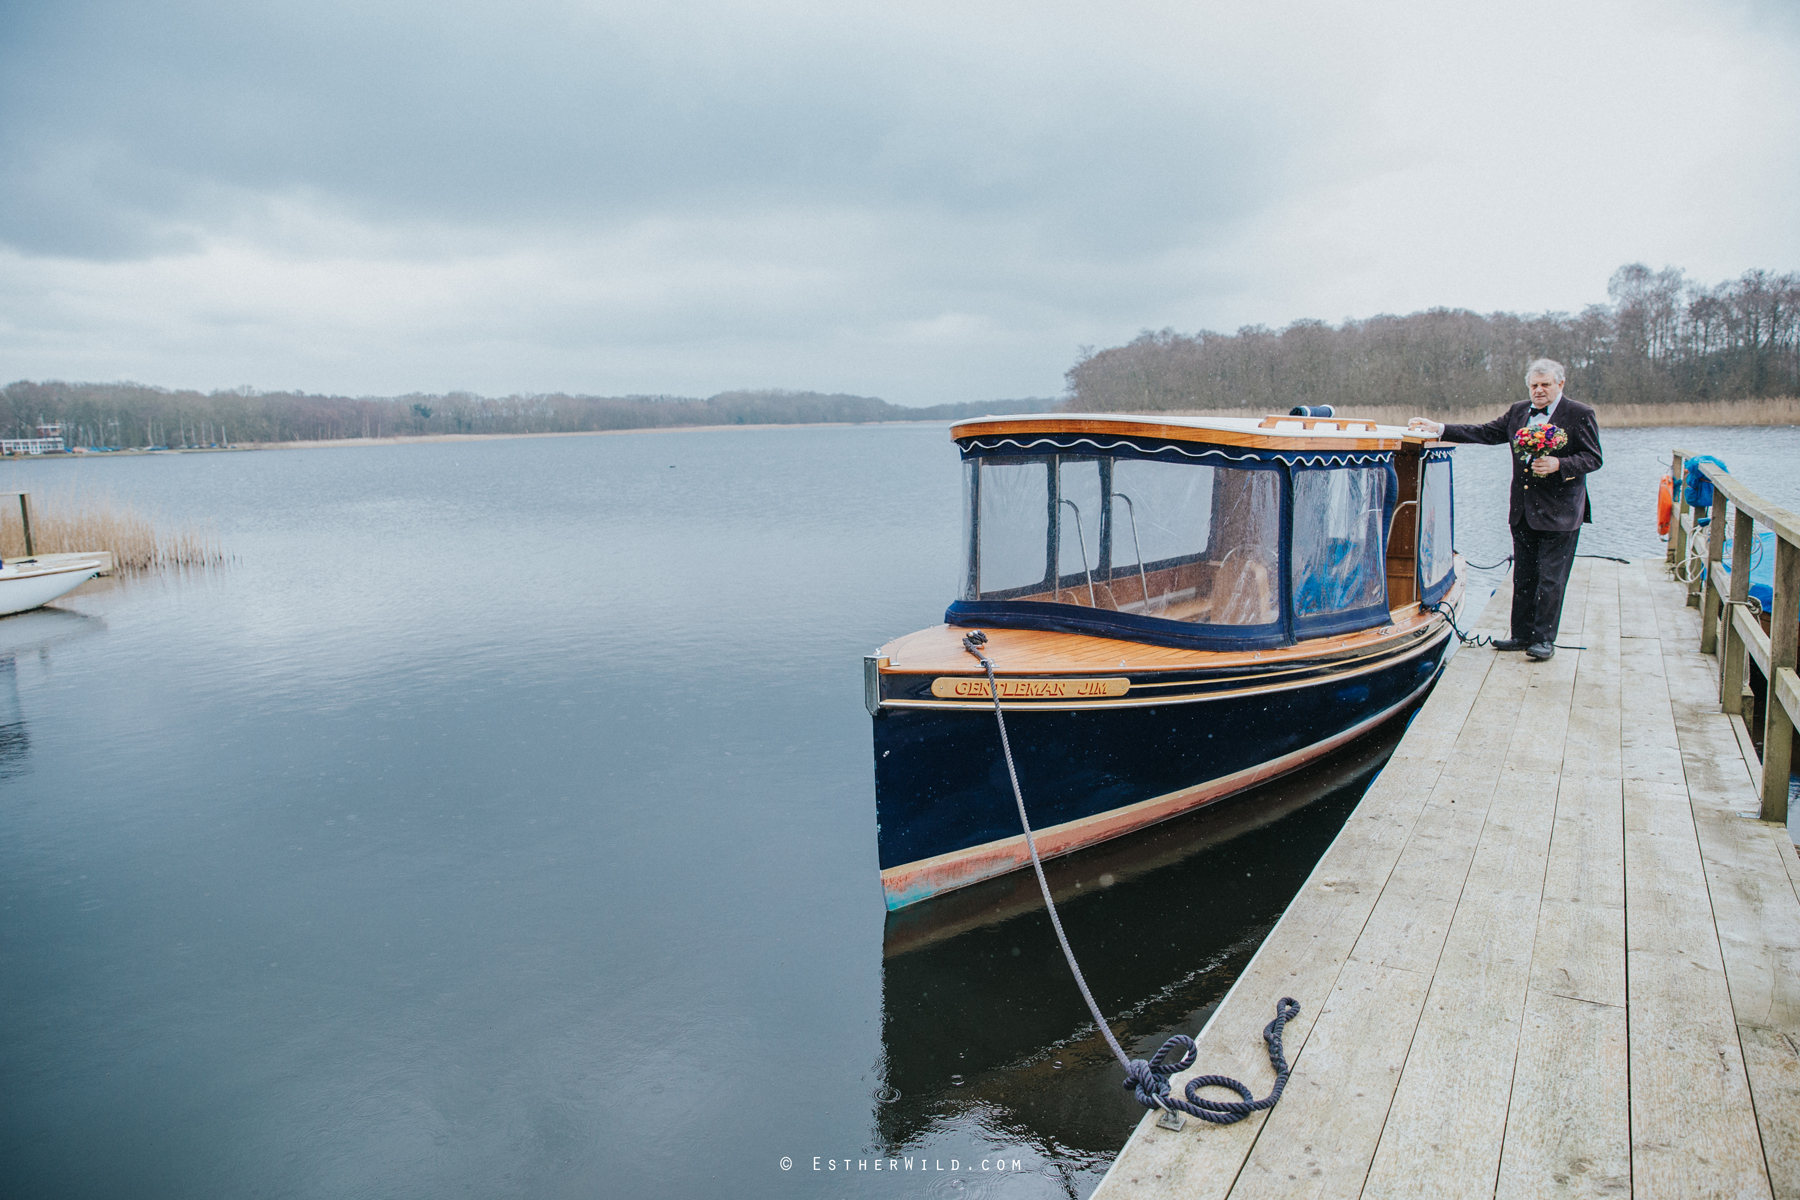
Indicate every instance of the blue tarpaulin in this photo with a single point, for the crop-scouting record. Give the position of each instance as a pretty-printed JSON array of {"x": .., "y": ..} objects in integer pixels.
[
  {"x": 1698, "y": 487},
  {"x": 1762, "y": 567}
]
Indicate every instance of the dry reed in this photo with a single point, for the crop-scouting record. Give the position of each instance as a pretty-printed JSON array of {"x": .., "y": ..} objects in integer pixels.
[
  {"x": 1781, "y": 410},
  {"x": 77, "y": 522}
]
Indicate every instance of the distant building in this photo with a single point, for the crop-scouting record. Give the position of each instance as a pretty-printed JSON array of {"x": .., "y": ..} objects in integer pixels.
[{"x": 48, "y": 441}]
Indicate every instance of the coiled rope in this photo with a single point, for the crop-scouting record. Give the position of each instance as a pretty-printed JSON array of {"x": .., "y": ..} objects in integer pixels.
[
  {"x": 1692, "y": 567},
  {"x": 1149, "y": 1079}
]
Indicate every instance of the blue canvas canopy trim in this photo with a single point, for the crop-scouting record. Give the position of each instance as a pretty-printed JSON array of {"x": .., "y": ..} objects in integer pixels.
[
  {"x": 1075, "y": 618},
  {"x": 1168, "y": 451}
]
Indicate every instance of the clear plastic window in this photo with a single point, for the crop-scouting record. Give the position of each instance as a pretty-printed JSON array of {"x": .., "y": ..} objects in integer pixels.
[
  {"x": 1012, "y": 505},
  {"x": 1337, "y": 553},
  {"x": 1079, "y": 521},
  {"x": 1180, "y": 541},
  {"x": 1435, "y": 524}
]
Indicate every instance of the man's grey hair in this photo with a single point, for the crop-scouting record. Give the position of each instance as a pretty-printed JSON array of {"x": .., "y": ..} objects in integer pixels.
[{"x": 1545, "y": 366}]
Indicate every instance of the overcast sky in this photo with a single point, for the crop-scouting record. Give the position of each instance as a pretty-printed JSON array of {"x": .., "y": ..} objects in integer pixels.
[{"x": 925, "y": 202}]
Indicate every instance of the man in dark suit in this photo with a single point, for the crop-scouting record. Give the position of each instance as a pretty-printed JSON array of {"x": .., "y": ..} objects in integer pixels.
[{"x": 1549, "y": 501}]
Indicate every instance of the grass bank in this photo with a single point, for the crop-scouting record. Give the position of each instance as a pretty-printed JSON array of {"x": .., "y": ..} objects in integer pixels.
[{"x": 76, "y": 522}]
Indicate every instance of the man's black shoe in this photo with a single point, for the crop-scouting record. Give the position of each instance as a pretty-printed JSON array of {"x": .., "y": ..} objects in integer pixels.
[
  {"x": 1512, "y": 643},
  {"x": 1539, "y": 651}
]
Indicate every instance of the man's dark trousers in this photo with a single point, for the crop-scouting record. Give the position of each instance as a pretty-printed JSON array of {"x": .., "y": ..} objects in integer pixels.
[
  {"x": 1546, "y": 512},
  {"x": 1541, "y": 562}
]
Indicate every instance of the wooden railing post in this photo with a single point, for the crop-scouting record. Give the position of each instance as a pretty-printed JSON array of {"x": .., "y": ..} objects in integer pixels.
[
  {"x": 1731, "y": 654},
  {"x": 1709, "y": 590},
  {"x": 1784, "y": 640},
  {"x": 1677, "y": 535}
]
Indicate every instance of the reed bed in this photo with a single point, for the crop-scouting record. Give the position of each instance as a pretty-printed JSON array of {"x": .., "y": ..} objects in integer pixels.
[
  {"x": 1780, "y": 410},
  {"x": 75, "y": 522}
]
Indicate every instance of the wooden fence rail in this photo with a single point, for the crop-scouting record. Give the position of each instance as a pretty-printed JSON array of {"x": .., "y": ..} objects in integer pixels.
[{"x": 1729, "y": 627}]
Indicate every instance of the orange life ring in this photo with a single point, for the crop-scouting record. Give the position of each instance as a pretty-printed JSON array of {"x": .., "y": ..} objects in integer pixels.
[{"x": 1665, "y": 505}]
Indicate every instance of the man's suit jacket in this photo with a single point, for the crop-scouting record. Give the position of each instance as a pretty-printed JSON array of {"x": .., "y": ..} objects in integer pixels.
[{"x": 1549, "y": 502}]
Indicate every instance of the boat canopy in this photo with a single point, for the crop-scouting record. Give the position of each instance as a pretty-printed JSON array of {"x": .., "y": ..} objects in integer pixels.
[{"x": 1185, "y": 543}]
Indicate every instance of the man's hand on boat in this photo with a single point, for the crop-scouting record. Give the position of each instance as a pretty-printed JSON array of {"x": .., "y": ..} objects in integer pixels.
[{"x": 1421, "y": 425}]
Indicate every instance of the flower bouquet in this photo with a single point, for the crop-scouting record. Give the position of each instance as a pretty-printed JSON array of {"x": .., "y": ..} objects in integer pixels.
[{"x": 1535, "y": 441}]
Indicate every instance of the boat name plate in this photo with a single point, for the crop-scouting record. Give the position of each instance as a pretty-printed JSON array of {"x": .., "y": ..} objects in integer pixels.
[{"x": 963, "y": 687}]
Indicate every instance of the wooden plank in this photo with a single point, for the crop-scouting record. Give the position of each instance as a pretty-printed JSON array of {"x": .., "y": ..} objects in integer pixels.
[
  {"x": 1591, "y": 744},
  {"x": 1787, "y": 693},
  {"x": 1746, "y": 748},
  {"x": 1784, "y": 649},
  {"x": 1580, "y": 941},
  {"x": 1453, "y": 1090},
  {"x": 1693, "y": 1126},
  {"x": 1637, "y": 611},
  {"x": 1773, "y": 1059},
  {"x": 1677, "y": 544},
  {"x": 1771, "y": 516},
  {"x": 1647, "y": 747},
  {"x": 1306, "y": 955},
  {"x": 1568, "y": 1132},
  {"x": 1756, "y": 642},
  {"x": 1580, "y": 950},
  {"x": 1454, "y": 865},
  {"x": 1574, "y": 610},
  {"x": 1409, "y": 921},
  {"x": 1757, "y": 915},
  {"x": 1731, "y": 660},
  {"x": 1025, "y": 651},
  {"x": 1711, "y": 601},
  {"x": 1320, "y": 1137},
  {"x": 1445, "y": 1128}
]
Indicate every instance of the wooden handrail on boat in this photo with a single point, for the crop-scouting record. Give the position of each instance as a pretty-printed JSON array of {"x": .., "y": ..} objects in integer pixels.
[
  {"x": 1344, "y": 424},
  {"x": 1725, "y": 616}
]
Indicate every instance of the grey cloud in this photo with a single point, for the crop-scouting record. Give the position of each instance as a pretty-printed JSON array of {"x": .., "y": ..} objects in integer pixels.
[{"x": 127, "y": 123}]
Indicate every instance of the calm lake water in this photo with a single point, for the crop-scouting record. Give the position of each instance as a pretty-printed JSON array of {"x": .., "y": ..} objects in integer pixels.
[{"x": 501, "y": 822}]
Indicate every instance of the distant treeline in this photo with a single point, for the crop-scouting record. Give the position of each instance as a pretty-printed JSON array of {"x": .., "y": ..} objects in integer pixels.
[
  {"x": 134, "y": 415},
  {"x": 1663, "y": 339}
]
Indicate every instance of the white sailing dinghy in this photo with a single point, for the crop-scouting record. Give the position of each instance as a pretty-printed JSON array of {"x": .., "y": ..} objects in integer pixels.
[{"x": 27, "y": 583}]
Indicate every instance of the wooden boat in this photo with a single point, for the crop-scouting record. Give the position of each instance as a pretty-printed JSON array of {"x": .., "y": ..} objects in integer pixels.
[
  {"x": 1177, "y": 609},
  {"x": 27, "y": 583}
]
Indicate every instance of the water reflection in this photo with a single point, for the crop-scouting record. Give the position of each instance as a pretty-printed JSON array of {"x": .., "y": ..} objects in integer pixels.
[
  {"x": 981, "y": 1020},
  {"x": 29, "y": 633}
]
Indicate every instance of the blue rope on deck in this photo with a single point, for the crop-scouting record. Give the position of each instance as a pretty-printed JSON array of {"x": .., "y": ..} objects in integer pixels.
[{"x": 1150, "y": 1080}]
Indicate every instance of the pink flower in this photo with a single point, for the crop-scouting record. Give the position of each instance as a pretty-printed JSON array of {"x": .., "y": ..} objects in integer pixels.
[{"x": 1535, "y": 441}]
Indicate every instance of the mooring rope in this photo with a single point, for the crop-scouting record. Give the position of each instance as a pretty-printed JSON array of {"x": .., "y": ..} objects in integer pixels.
[
  {"x": 1509, "y": 558},
  {"x": 1442, "y": 608},
  {"x": 1686, "y": 571},
  {"x": 1150, "y": 1080}
]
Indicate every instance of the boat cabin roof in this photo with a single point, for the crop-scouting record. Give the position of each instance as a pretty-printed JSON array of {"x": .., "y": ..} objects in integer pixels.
[{"x": 1264, "y": 433}]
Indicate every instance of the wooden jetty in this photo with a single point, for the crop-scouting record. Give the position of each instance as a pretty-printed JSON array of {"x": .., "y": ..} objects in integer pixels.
[{"x": 1556, "y": 949}]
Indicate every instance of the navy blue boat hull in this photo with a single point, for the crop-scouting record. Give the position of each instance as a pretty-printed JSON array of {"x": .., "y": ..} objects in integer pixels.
[{"x": 945, "y": 808}]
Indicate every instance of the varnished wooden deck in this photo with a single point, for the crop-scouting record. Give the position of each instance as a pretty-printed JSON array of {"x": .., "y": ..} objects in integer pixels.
[{"x": 1546, "y": 956}]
